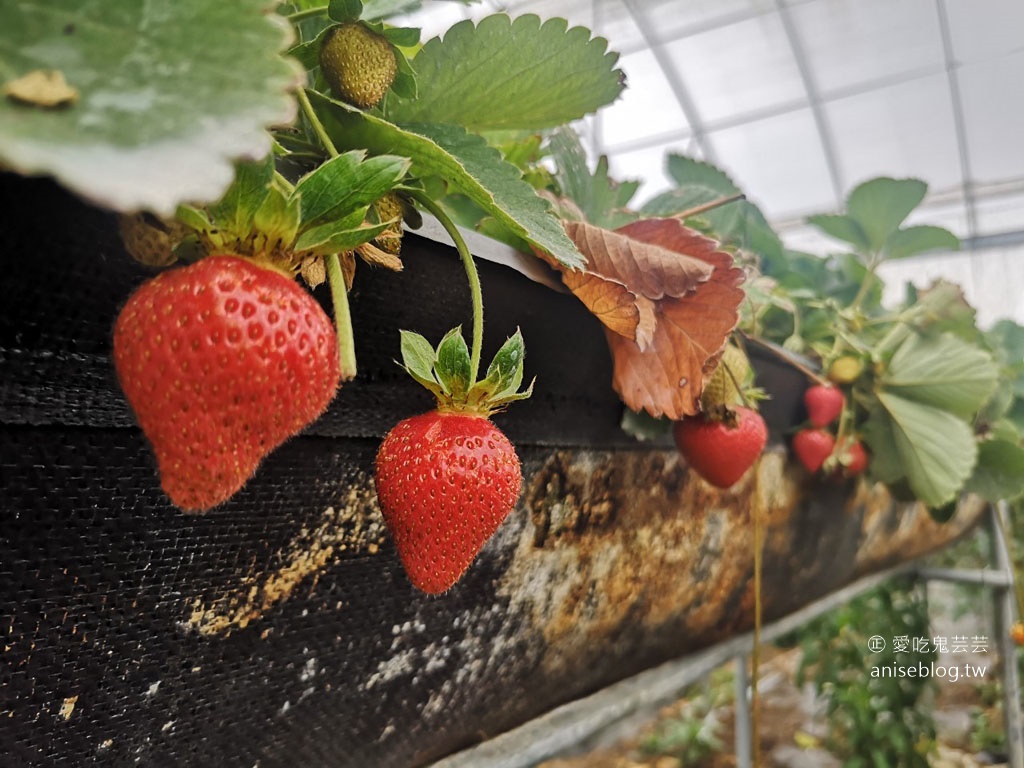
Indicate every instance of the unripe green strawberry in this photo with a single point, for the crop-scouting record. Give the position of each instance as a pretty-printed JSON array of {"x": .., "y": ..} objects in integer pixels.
[
  {"x": 721, "y": 389},
  {"x": 445, "y": 482},
  {"x": 222, "y": 361},
  {"x": 358, "y": 64},
  {"x": 845, "y": 369},
  {"x": 387, "y": 208}
]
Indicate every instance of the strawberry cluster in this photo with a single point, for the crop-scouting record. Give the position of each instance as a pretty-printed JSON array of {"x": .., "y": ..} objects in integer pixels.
[{"x": 816, "y": 447}]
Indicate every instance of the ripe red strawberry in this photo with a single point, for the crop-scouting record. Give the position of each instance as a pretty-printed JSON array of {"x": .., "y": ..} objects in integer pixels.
[
  {"x": 445, "y": 482},
  {"x": 720, "y": 452},
  {"x": 812, "y": 447},
  {"x": 853, "y": 459},
  {"x": 448, "y": 478},
  {"x": 222, "y": 361},
  {"x": 1017, "y": 633},
  {"x": 824, "y": 404}
]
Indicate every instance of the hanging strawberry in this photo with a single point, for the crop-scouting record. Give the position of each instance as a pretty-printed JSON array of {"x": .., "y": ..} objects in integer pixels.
[
  {"x": 446, "y": 479},
  {"x": 724, "y": 441},
  {"x": 222, "y": 361}
]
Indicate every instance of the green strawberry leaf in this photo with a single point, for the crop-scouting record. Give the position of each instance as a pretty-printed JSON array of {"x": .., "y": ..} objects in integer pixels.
[
  {"x": 308, "y": 53},
  {"x": 602, "y": 200},
  {"x": 999, "y": 473},
  {"x": 418, "y": 360},
  {"x": 341, "y": 235},
  {"x": 405, "y": 85},
  {"x": 452, "y": 364},
  {"x": 841, "y": 228},
  {"x": 739, "y": 223},
  {"x": 403, "y": 37},
  {"x": 641, "y": 426},
  {"x": 943, "y": 371},
  {"x": 502, "y": 74},
  {"x": 155, "y": 123},
  {"x": 886, "y": 466},
  {"x": 466, "y": 162},
  {"x": 879, "y": 207},
  {"x": 345, "y": 11},
  {"x": 911, "y": 241},
  {"x": 347, "y": 183},
  {"x": 934, "y": 449},
  {"x": 235, "y": 211}
]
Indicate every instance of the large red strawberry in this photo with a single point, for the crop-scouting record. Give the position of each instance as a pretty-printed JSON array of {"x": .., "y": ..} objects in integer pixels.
[
  {"x": 812, "y": 447},
  {"x": 721, "y": 451},
  {"x": 222, "y": 361},
  {"x": 445, "y": 482},
  {"x": 448, "y": 478},
  {"x": 824, "y": 404}
]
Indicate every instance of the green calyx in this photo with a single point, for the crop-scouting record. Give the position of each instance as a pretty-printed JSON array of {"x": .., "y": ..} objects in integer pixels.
[{"x": 447, "y": 372}]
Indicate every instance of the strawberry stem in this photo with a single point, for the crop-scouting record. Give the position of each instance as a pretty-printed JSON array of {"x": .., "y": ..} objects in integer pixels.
[
  {"x": 286, "y": 186},
  {"x": 308, "y": 13},
  {"x": 817, "y": 378},
  {"x": 475, "y": 294},
  {"x": 342, "y": 317},
  {"x": 339, "y": 292},
  {"x": 755, "y": 656},
  {"x": 314, "y": 121},
  {"x": 717, "y": 203}
]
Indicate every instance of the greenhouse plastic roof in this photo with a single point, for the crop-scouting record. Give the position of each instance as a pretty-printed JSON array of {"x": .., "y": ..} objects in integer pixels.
[{"x": 800, "y": 100}]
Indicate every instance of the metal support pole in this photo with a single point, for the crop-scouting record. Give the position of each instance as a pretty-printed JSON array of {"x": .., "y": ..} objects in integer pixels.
[
  {"x": 744, "y": 756},
  {"x": 1004, "y": 617}
]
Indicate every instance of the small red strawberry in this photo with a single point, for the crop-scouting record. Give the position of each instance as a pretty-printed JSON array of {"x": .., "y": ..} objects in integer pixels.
[
  {"x": 1017, "y": 633},
  {"x": 447, "y": 479},
  {"x": 824, "y": 404},
  {"x": 812, "y": 447},
  {"x": 852, "y": 457},
  {"x": 222, "y": 361},
  {"x": 721, "y": 451}
]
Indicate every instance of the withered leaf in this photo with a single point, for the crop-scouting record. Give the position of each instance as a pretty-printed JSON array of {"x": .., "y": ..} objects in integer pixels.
[
  {"x": 313, "y": 271},
  {"x": 612, "y": 302},
  {"x": 686, "y": 297},
  {"x": 45, "y": 88}
]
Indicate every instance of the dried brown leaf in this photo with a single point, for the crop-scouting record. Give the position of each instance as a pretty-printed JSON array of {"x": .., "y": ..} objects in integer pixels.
[
  {"x": 376, "y": 257},
  {"x": 45, "y": 88},
  {"x": 150, "y": 240},
  {"x": 686, "y": 296},
  {"x": 645, "y": 265},
  {"x": 313, "y": 270},
  {"x": 610, "y": 301}
]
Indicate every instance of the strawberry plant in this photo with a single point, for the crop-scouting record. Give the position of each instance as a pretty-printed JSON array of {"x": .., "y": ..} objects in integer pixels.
[
  {"x": 344, "y": 128},
  {"x": 347, "y": 127},
  {"x": 916, "y": 395}
]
